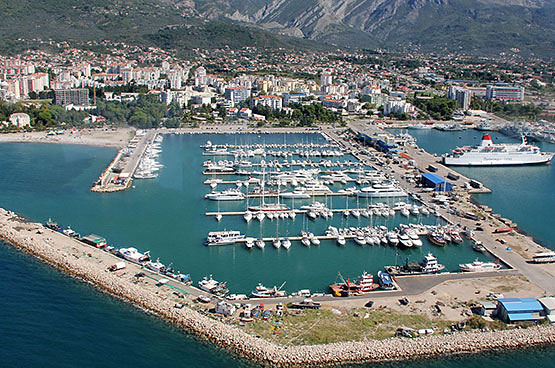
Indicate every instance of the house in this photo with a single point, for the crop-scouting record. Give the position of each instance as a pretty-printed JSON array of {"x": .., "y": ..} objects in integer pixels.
[
  {"x": 20, "y": 119},
  {"x": 245, "y": 113},
  {"x": 512, "y": 310}
]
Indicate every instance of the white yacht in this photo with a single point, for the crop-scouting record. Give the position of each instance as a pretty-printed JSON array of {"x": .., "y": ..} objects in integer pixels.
[
  {"x": 223, "y": 237},
  {"x": 296, "y": 194},
  {"x": 382, "y": 190},
  {"x": 226, "y": 195},
  {"x": 479, "y": 266}
]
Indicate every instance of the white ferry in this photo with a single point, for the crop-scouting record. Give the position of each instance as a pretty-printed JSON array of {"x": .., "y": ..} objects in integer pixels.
[
  {"x": 223, "y": 237},
  {"x": 490, "y": 154}
]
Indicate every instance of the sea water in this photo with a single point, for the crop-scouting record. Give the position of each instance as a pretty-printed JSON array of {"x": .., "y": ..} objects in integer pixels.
[
  {"x": 51, "y": 319},
  {"x": 166, "y": 215},
  {"x": 522, "y": 193}
]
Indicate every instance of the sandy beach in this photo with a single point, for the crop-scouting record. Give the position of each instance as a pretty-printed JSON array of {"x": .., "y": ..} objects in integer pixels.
[{"x": 90, "y": 137}]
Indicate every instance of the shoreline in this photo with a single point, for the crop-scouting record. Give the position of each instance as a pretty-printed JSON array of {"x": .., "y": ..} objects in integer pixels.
[
  {"x": 86, "y": 137},
  {"x": 78, "y": 260}
]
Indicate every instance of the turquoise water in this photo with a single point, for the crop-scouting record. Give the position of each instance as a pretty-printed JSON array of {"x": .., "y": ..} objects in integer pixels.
[
  {"x": 52, "y": 320},
  {"x": 49, "y": 319},
  {"x": 166, "y": 216},
  {"x": 523, "y": 193}
]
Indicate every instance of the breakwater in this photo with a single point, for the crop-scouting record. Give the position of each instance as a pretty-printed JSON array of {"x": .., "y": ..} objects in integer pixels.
[{"x": 85, "y": 263}]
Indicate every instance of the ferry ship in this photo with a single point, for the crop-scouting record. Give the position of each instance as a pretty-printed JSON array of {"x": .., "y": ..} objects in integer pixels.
[{"x": 490, "y": 154}]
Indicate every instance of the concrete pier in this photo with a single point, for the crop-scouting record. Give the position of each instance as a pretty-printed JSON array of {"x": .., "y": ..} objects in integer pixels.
[{"x": 118, "y": 175}]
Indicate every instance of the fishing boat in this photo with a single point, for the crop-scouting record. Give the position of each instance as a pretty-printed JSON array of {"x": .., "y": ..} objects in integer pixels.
[
  {"x": 263, "y": 292},
  {"x": 133, "y": 255},
  {"x": 344, "y": 288},
  {"x": 479, "y": 266},
  {"x": 212, "y": 286},
  {"x": 366, "y": 283},
  {"x": 223, "y": 237},
  {"x": 385, "y": 280},
  {"x": 155, "y": 266}
]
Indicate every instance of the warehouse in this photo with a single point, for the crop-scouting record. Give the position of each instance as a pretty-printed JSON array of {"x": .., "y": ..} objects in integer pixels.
[
  {"x": 519, "y": 309},
  {"x": 431, "y": 180}
]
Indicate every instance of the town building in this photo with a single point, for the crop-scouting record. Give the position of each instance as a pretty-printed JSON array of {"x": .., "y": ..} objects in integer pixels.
[
  {"x": 237, "y": 94},
  {"x": 504, "y": 93},
  {"x": 73, "y": 96},
  {"x": 460, "y": 94},
  {"x": 274, "y": 102},
  {"x": 548, "y": 304},
  {"x": 398, "y": 106}
]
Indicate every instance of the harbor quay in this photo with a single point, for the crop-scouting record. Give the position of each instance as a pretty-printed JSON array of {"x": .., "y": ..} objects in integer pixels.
[
  {"x": 118, "y": 175},
  {"x": 150, "y": 293},
  {"x": 512, "y": 248}
]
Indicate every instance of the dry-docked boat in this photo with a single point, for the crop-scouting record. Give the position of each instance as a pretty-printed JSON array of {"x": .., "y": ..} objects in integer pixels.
[{"x": 479, "y": 266}]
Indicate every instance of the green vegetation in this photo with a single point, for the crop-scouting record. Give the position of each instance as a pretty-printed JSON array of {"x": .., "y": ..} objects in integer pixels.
[
  {"x": 439, "y": 108},
  {"x": 322, "y": 326},
  {"x": 302, "y": 115},
  {"x": 144, "y": 112},
  {"x": 508, "y": 110},
  {"x": 44, "y": 116}
]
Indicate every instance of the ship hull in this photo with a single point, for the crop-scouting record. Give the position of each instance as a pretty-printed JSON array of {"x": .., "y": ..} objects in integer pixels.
[{"x": 500, "y": 160}]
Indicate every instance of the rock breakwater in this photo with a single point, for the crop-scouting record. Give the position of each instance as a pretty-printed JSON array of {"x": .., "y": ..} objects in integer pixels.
[{"x": 90, "y": 264}]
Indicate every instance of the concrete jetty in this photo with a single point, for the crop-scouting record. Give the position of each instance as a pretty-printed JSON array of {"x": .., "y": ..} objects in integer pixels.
[{"x": 118, "y": 175}]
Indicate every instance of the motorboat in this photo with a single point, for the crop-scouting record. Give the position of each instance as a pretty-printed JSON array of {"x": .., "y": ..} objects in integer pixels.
[
  {"x": 360, "y": 239},
  {"x": 341, "y": 240},
  {"x": 223, "y": 237},
  {"x": 286, "y": 243},
  {"x": 247, "y": 216},
  {"x": 479, "y": 266},
  {"x": 249, "y": 243},
  {"x": 385, "y": 280},
  {"x": 226, "y": 195},
  {"x": 313, "y": 239}
]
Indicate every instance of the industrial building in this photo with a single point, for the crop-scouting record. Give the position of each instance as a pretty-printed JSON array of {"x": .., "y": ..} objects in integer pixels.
[
  {"x": 439, "y": 184},
  {"x": 548, "y": 304},
  {"x": 512, "y": 310}
]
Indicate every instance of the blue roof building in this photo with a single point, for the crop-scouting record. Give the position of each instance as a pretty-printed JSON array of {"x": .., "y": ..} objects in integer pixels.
[
  {"x": 519, "y": 309},
  {"x": 431, "y": 180}
]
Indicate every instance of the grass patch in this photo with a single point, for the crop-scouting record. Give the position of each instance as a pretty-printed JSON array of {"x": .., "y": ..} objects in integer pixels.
[{"x": 322, "y": 326}]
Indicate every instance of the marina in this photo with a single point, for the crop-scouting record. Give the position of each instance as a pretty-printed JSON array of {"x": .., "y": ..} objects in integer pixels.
[{"x": 269, "y": 230}]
